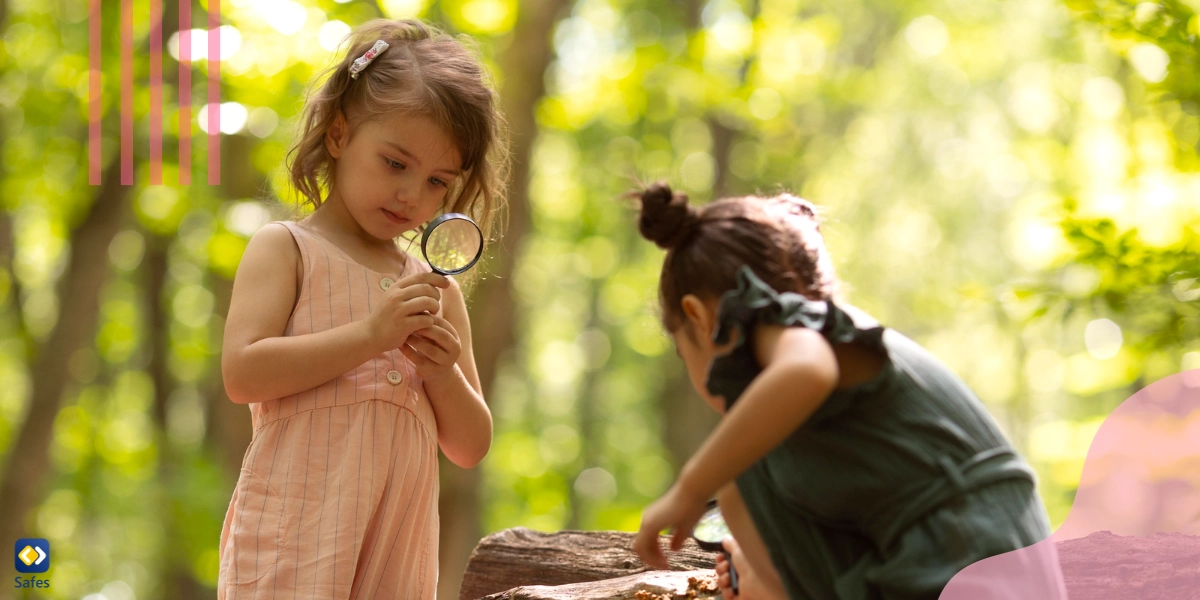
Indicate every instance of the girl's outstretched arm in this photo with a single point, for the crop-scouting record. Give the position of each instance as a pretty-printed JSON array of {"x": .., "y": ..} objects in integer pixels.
[
  {"x": 799, "y": 371},
  {"x": 446, "y": 361}
]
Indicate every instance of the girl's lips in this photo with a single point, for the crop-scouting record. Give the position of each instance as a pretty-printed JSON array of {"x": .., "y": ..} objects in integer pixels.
[{"x": 393, "y": 217}]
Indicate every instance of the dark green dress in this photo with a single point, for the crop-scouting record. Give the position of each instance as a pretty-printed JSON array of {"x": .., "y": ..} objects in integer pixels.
[{"x": 890, "y": 487}]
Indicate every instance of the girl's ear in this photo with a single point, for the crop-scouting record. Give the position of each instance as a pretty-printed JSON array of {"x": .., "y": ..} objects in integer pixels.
[
  {"x": 336, "y": 137},
  {"x": 699, "y": 314}
]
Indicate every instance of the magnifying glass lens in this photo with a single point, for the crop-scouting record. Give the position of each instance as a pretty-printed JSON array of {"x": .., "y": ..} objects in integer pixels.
[
  {"x": 711, "y": 527},
  {"x": 452, "y": 244}
]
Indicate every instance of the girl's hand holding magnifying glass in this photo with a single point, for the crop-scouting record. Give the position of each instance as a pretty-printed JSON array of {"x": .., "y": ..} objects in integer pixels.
[
  {"x": 408, "y": 306},
  {"x": 434, "y": 350}
]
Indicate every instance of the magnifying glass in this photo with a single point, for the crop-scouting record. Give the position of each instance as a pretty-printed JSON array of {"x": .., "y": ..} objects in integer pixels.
[
  {"x": 708, "y": 533},
  {"x": 452, "y": 243}
]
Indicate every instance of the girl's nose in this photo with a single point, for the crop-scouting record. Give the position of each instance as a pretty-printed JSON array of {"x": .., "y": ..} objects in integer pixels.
[{"x": 407, "y": 190}]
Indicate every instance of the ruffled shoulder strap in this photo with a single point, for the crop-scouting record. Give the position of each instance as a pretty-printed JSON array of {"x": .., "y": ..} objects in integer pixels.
[{"x": 754, "y": 302}]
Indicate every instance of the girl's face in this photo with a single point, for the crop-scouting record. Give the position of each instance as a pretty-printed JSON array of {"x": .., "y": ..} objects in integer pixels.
[
  {"x": 693, "y": 344},
  {"x": 394, "y": 172}
]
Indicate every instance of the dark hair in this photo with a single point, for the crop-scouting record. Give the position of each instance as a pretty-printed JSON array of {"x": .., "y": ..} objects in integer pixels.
[
  {"x": 423, "y": 71},
  {"x": 778, "y": 237}
]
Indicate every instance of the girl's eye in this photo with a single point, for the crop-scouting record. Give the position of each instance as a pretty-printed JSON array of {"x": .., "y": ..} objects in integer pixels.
[
  {"x": 436, "y": 181},
  {"x": 393, "y": 164}
]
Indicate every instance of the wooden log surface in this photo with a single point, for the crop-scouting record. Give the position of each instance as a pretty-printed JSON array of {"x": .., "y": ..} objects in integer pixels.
[
  {"x": 520, "y": 564},
  {"x": 523, "y": 557},
  {"x": 651, "y": 585}
]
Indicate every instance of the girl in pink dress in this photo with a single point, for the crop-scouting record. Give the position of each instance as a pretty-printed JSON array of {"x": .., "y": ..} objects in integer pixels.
[{"x": 354, "y": 357}]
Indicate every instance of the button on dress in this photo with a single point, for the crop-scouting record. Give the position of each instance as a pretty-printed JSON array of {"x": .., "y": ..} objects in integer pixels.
[
  {"x": 337, "y": 496},
  {"x": 891, "y": 486}
]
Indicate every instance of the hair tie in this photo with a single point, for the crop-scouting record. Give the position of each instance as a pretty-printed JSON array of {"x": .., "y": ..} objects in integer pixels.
[{"x": 361, "y": 62}]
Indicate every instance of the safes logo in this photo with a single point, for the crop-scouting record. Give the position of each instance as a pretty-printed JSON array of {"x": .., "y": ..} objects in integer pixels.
[{"x": 32, "y": 555}]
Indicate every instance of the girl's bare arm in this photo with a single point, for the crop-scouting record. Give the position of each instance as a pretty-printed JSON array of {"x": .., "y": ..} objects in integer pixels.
[
  {"x": 258, "y": 362},
  {"x": 799, "y": 372},
  {"x": 463, "y": 418}
]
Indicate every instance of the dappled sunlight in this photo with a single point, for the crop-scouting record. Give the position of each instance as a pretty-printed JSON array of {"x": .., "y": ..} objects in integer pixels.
[{"x": 1014, "y": 185}]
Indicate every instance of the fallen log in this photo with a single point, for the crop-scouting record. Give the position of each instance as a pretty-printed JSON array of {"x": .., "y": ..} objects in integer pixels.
[{"x": 520, "y": 564}]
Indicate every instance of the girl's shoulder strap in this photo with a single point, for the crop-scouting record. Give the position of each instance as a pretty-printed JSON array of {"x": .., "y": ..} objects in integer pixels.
[{"x": 303, "y": 239}]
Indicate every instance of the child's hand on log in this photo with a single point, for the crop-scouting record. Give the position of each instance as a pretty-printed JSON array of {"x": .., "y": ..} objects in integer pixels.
[{"x": 678, "y": 510}]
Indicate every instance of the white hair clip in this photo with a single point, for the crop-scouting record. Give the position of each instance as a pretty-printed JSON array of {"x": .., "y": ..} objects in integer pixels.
[{"x": 361, "y": 62}]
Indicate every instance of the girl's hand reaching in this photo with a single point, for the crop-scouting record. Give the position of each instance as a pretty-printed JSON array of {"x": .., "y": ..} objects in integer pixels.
[
  {"x": 434, "y": 350},
  {"x": 409, "y": 305},
  {"x": 679, "y": 510}
]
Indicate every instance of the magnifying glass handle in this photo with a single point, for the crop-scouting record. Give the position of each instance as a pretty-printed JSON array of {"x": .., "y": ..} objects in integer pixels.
[{"x": 733, "y": 578}]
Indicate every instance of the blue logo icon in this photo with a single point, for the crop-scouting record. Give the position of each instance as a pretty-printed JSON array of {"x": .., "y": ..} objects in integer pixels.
[{"x": 32, "y": 555}]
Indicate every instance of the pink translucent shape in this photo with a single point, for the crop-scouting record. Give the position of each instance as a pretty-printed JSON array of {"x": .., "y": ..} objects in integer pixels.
[{"x": 1134, "y": 527}]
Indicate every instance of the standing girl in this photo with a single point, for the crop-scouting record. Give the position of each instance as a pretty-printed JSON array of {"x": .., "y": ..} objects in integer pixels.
[
  {"x": 864, "y": 468},
  {"x": 355, "y": 358}
]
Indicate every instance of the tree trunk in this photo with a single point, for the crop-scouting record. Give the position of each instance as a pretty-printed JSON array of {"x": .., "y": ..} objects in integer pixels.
[
  {"x": 228, "y": 430},
  {"x": 523, "y": 557},
  {"x": 492, "y": 308},
  {"x": 176, "y": 574},
  {"x": 79, "y": 293}
]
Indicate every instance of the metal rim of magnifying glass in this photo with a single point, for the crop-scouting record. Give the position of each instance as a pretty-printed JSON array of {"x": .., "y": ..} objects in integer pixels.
[
  {"x": 711, "y": 546},
  {"x": 438, "y": 221}
]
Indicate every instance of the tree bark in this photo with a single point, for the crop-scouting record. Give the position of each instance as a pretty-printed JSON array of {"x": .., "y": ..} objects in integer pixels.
[
  {"x": 492, "y": 308},
  {"x": 654, "y": 585},
  {"x": 228, "y": 430},
  {"x": 523, "y": 557},
  {"x": 79, "y": 293}
]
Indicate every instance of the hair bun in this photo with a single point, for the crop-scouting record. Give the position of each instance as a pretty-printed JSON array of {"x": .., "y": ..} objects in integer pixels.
[{"x": 666, "y": 216}]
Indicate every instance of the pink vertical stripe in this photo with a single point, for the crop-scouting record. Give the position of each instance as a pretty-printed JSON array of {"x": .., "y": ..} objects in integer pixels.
[
  {"x": 126, "y": 92},
  {"x": 94, "y": 89},
  {"x": 185, "y": 92},
  {"x": 214, "y": 92},
  {"x": 156, "y": 92}
]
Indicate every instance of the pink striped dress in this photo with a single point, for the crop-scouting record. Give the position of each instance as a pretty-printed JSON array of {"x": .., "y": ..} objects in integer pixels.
[{"x": 337, "y": 496}]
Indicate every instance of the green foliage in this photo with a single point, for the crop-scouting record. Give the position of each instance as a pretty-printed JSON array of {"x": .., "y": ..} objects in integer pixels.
[{"x": 997, "y": 179}]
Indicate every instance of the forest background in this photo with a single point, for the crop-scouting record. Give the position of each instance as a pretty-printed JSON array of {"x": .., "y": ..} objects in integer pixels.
[{"x": 1012, "y": 184}]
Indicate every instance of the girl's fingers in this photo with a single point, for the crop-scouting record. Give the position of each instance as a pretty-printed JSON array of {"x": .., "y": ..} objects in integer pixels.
[
  {"x": 414, "y": 356},
  {"x": 428, "y": 349},
  {"x": 439, "y": 341},
  {"x": 438, "y": 335},
  {"x": 433, "y": 279},
  {"x": 727, "y": 592},
  {"x": 420, "y": 304},
  {"x": 647, "y": 548},
  {"x": 677, "y": 539}
]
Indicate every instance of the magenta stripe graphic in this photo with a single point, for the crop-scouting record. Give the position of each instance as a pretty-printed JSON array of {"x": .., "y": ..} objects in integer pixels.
[
  {"x": 126, "y": 92},
  {"x": 156, "y": 92},
  {"x": 96, "y": 88},
  {"x": 94, "y": 92},
  {"x": 185, "y": 92},
  {"x": 214, "y": 92}
]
